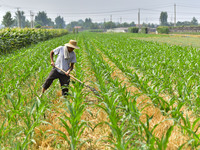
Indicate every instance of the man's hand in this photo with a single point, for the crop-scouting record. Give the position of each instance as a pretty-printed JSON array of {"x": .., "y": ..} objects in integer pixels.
[
  {"x": 51, "y": 56},
  {"x": 52, "y": 63},
  {"x": 68, "y": 72}
]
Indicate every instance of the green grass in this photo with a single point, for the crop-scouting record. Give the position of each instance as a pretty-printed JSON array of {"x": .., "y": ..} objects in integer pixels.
[{"x": 182, "y": 40}]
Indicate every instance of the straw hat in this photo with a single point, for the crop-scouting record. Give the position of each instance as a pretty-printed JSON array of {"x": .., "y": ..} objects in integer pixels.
[{"x": 73, "y": 44}]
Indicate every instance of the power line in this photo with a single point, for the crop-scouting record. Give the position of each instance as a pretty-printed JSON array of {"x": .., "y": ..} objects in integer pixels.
[
  {"x": 100, "y": 12},
  {"x": 107, "y": 12},
  {"x": 174, "y": 14},
  {"x": 123, "y": 12},
  {"x": 188, "y": 6}
]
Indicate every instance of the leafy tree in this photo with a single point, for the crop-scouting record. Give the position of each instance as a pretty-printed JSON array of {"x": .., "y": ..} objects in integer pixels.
[
  {"x": 88, "y": 20},
  {"x": 125, "y": 24},
  {"x": 194, "y": 21},
  {"x": 80, "y": 22},
  {"x": 163, "y": 19},
  {"x": 109, "y": 25},
  {"x": 132, "y": 24},
  {"x": 94, "y": 26},
  {"x": 71, "y": 25},
  {"x": 24, "y": 22},
  {"x": 60, "y": 23},
  {"x": 144, "y": 24},
  {"x": 151, "y": 25},
  {"x": 188, "y": 23},
  {"x": 43, "y": 20},
  {"x": 88, "y": 23},
  {"x": 7, "y": 20},
  {"x": 27, "y": 23},
  {"x": 184, "y": 23}
]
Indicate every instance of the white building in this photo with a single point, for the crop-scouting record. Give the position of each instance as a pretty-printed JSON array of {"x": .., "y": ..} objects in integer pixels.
[{"x": 123, "y": 30}]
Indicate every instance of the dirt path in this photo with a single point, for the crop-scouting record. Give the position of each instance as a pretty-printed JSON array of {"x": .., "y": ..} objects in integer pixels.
[{"x": 97, "y": 117}]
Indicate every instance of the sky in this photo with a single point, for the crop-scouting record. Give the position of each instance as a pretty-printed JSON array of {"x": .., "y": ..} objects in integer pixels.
[{"x": 106, "y": 10}]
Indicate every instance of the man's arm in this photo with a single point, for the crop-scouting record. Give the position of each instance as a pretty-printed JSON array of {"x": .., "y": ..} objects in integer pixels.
[
  {"x": 51, "y": 56},
  {"x": 70, "y": 69}
]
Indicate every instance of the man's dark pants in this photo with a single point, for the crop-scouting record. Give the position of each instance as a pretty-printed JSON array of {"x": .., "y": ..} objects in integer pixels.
[{"x": 64, "y": 81}]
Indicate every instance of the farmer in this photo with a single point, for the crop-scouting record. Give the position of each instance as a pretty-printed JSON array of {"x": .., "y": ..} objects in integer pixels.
[{"x": 65, "y": 60}]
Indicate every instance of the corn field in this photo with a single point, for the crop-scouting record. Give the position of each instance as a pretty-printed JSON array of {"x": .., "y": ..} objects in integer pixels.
[{"x": 148, "y": 96}]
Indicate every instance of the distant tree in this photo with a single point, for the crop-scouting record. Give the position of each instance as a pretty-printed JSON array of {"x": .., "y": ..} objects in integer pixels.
[
  {"x": 125, "y": 24},
  {"x": 132, "y": 24},
  {"x": 88, "y": 23},
  {"x": 163, "y": 19},
  {"x": 60, "y": 23},
  {"x": 94, "y": 26},
  {"x": 24, "y": 22},
  {"x": 109, "y": 25},
  {"x": 88, "y": 20},
  {"x": 184, "y": 23},
  {"x": 194, "y": 21},
  {"x": 80, "y": 22},
  {"x": 50, "y": 22},
  {"x": 7, "y": 20},
  {"x": 27, "y": 24},
  {"x": 43, "y": 20},
  {"x": 71, "y": 25},
  {"x": 151, "y": 25},
  {"x": 171, "y": 24},
  {"x": 144, "y": 24}
]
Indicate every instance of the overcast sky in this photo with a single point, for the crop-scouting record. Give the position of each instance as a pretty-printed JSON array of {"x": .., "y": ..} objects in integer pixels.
[{"x": 106, "y": 10}]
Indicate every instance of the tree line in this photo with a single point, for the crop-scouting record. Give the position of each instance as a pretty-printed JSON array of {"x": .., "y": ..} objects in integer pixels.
[
  {"x": 42, "y": 20},
  {"x": 164, "y": 22}
]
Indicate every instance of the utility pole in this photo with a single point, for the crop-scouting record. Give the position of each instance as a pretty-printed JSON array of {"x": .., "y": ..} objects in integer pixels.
[
  {"x": 120, "y": 20},
  {"x": 19, "y": 18},
  {"x": 139, "y": 18},
  {"x": 32, "y": 15},
  {"x": 111, "y": 21},
  {"x": 174, "y": 14},
  {"x": 171, "y": 18},
  {"x": 104, "y": 24}
]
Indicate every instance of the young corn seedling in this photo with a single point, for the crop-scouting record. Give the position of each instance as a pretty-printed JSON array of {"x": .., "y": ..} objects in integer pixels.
[
  {"x": 162, "y": 143},
  {"x": 32, "y": 119},
  {"x": 189, "y": 128},
  {"x": 73, "y": 123}
]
